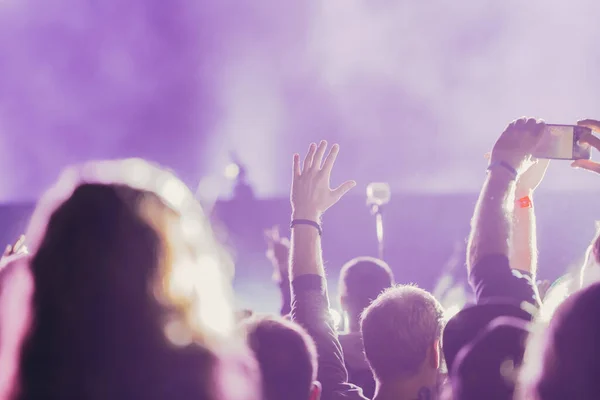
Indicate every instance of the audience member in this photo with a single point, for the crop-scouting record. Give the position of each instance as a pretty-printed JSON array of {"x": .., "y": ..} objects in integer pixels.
[
  {"x": 310, "y": 198},
  {"x": 287, "y": 358},
  {"x": 123, "y": 293},
  {"x": 502, "y": 247},
  {"x": 401, "y": 332},
  {"x": 487, "y": 368},
  {"x": 561, "y": 361},
  {"x": 117, "y": 310},
  {"x": 278, "y": 252},
  {"x": 361, "y": 281}
]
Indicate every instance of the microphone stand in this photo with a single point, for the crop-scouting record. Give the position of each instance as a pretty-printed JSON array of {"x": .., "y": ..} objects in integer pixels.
[{"x": 377, "y": 211}]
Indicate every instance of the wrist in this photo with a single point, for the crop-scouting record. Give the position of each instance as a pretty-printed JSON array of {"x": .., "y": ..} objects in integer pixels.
[
  {"x": 501, "y": 176},
  {"x": 521, "y": 192},
  {"x": 523, "y": 200},
  {"x": 311, "y": 215}
]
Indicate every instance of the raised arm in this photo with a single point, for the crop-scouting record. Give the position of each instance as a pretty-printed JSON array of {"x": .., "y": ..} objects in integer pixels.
[
  {"x": 278, "y": 253},
  {"x": 491, "y": 223},
  {"x": 523, "y": 242},
  {"x": 310, "y": 198}
]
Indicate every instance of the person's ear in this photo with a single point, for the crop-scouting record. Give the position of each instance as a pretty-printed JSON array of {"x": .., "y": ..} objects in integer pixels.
[
  {"x": 315, "y": 391},
  {"x": 434, "y": 355}
]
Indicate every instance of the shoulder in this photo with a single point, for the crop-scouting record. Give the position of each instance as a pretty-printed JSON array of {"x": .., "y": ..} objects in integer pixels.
[{"x": 493, "y": 277}]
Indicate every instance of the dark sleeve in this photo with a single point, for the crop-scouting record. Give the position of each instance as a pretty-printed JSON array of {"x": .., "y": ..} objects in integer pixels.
[
  {"x": 493, "y": 278},
  {"x": 310, "y": 309}
]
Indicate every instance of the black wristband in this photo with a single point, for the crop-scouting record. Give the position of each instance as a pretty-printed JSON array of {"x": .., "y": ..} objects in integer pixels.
[
  {"x": 314, "y": 224},
  {"x": 504, "y": 165}
]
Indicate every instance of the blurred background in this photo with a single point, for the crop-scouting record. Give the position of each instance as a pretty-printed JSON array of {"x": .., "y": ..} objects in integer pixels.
[{"x": 414, "y": 91}]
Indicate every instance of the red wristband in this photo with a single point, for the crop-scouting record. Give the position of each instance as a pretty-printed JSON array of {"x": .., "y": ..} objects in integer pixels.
[{"x": 525, "y": 202}]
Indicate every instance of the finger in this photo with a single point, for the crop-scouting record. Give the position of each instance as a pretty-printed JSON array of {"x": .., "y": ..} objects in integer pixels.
[
  {"x": 341, "y": 190},
  {"x": 268, "y": 234},
  {"x": 533, "y": 125},
  {"x": 308, "y": 160},
  {"x": 19, "y": 243},
  {"x": 319, "y": 155},
  {"x": 7, "y": 250},
  {"x": 592, "y": 140},
  {"x": 519, "y": 122},
  {"x": 487, "y": 155},
  {"x": 590, "y": 123},
  {"x": 539, "y": 127},
  {"x": 587, "y": 164},
  {"x": 530, "y": 123},
  {"x": 331, "y": 157},
  {"x": 296, "y": 166}
]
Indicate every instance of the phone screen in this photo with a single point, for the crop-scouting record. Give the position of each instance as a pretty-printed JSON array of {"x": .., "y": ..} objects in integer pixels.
[{"x": 562, "y": 142}]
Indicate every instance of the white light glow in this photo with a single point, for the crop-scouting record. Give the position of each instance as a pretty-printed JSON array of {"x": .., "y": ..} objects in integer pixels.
[
  {"x": 337, "y": 318},
  {"x": 232, "y": 171}
]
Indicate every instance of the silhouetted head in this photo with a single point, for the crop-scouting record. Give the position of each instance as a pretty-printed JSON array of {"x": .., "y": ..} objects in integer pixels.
[
  {"x": 361, "y": 281},
  {"x": 401, "y": 332},
  {"x": 562, "y": 360},
  {"x": 131, "y": 299},
  {"x": 287, "y": 358},
  {"x": 488, "y": 367}
]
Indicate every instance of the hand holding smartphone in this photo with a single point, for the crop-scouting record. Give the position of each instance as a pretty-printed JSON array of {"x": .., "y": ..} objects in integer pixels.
[
  {"x": 591, "y": 140},
  {"x": 563, "y": 142}
]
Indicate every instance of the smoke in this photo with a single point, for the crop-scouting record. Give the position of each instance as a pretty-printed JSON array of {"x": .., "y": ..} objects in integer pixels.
[{"x": 415, "y": 92}]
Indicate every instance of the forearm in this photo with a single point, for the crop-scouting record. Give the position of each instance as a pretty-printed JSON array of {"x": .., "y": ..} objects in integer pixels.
[
  {"x": 310, "y": 308},
  {"x": 490, "y": 226},
  {"x": 306, "y": 257},
  {"x": 523, "y": 242}
]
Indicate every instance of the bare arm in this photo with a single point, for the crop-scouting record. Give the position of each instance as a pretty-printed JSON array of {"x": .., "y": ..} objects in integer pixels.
[
  {"x": 490, "y": 226},
  {"x": 492, "y": 223},
  {"x": 523, "y": 242}
]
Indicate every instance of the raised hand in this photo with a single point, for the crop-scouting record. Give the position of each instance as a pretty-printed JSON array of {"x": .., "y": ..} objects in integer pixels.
[
  {"x": 532, "y": 178},
  {"x": 278, "y": 252},
  {"x": 517, "y": 142},
  {"x": 593, "y": 141},
  {"x": 13, "y": 252},
  {"x": 311, "y": 193}
]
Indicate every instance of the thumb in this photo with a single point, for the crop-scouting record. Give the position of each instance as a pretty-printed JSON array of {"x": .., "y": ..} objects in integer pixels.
[
  {"x": 590, "y": 123},
  {"x": 587, "y": 164},
  {"x": 341, "y": 190}
]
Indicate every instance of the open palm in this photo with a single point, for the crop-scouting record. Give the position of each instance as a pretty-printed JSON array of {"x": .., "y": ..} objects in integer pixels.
[{"x": 311, "y": 193}]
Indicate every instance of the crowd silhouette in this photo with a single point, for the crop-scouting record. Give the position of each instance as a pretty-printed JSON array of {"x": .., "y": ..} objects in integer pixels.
[{"x": 119, "y": 290}]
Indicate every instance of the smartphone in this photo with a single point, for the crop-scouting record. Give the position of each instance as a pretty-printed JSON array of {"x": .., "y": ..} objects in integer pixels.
[{"x": 561, "y": 142}]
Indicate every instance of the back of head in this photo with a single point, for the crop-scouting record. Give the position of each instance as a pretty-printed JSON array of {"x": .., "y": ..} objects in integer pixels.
[
  {"x": 110, "y": 316},
  {"x": 286, "y": 355},
  {"x": 400, "y": 329},
  {"x": 487, "y": 368},
  {"x": 361, "y": 281},
  {"x": 566, "y": 364},
  {"x": 467, "y": 324}
]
